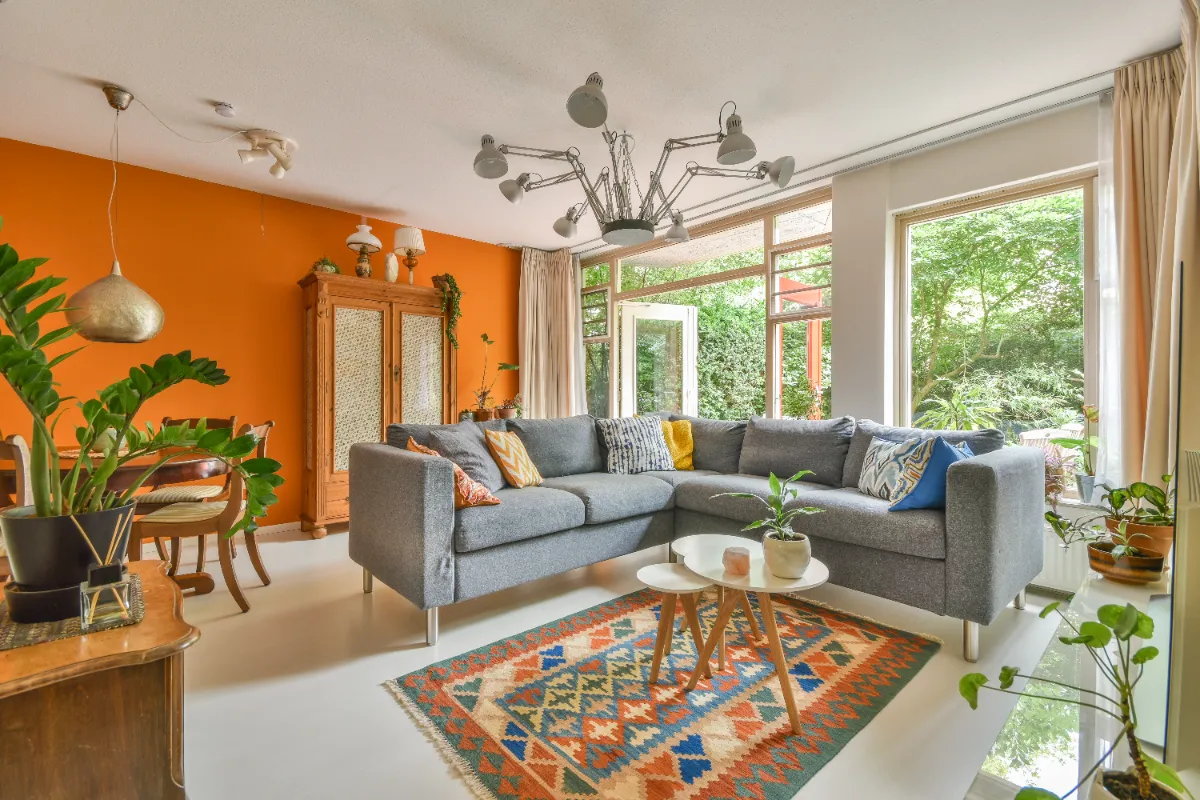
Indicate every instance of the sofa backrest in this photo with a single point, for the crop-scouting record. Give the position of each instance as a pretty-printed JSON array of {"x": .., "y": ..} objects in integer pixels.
[
  {"x": 980, "y": 442},
  {"x": 565, "y": 446},
  {"x": 786, "y": 446},
  {"x": 716, "y": 443},
  {"x": 398, "y": 433}
]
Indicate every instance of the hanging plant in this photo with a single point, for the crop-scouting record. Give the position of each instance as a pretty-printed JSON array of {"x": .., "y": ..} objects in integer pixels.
[{"x": 451, "y": 295}]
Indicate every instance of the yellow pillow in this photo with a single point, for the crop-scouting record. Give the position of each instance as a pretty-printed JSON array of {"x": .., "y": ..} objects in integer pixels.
[
  {"x": 679, "y": 441},
  {"x": 510, "y": 454}
]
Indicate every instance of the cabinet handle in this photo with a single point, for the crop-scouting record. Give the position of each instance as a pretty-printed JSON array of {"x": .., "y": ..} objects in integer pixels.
[{"x": 396, "y": 372}]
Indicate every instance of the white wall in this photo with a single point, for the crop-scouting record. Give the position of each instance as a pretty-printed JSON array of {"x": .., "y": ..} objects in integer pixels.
[{"x": 865, "y": 205}]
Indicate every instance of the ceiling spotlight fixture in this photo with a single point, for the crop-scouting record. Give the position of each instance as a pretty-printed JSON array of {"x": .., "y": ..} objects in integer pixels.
[
  {"x": 626, "y": 214},
  {"x": 269, "y": 144},
  {"x": 677, "y": 233},
  {"x": 225, "y": 110}
]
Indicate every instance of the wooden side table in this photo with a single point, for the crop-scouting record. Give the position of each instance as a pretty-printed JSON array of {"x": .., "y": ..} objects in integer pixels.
[{"x": 100, "y": 715}]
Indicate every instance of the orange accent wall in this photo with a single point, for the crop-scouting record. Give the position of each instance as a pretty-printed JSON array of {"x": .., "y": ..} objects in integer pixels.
[{"x": 223, "y": 263}]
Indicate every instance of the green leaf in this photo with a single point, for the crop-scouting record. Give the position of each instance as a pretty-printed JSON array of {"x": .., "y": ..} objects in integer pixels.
[
  {"x": 1006, "y": 676},
  {"x": 1049, "y": 609},
  {"x": 11, "y": 279},
  {"x": 801, "y": 474},
  {"x": 141, "y": 381},
  {"x": 503, "y": 366},
  {"x": 1165, "y": 775},
  {"x": 1144, "y": 628},
  {"x": 260, "y": 466},
  {"x": 968, "y": 687},
  {"x": 214, "y": 438},
  {"x": 1126, "y": 623},
  {"x": 61, "y": 357},
  {"x": 55, "y": 336},
  {"x": 1110, "y": 614},
  {"x": 773, "y": 482},
  {"x": 1033, "y": 793},
  {"x": 1148, "y": 653},
  {"x": 240, "y": 447},
  {"x": 1094, "y": 634},
  {"x": 42, "y": 310}
]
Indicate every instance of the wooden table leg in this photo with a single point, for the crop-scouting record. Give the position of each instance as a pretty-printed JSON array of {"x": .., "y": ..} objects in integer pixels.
[
  {"x": 201, "y": 582},
  {"x": 714, "y": 636},
  {"x": 754, "y": 631},
  {"x": 720, "y": 629},
  {"x": 692, "y": 615},
  {"x": 666, "y": 626},
  {"x": 785, "y": 682}
]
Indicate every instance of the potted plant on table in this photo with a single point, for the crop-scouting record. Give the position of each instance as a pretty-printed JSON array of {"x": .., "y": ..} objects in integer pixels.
[
  {"x": 483, "y": 396},
  {"x": 1145, "y": 509},
  {"x": 509, "y": 409},
  {"x": 1085, "y": 446},
  {"x": 787, "y": 551},
  {"x": 75, "y": 516},
  {"x": 1146, "y": 779},
  {"x": 1111, "y": 553}
]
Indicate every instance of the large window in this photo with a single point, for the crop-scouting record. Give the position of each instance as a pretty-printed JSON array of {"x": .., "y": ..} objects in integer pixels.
[
  {"x": 996, "y": 311},
  {"x": 733, "y": 323}
]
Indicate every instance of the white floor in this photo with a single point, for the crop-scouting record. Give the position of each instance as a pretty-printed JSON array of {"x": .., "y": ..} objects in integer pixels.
[{"x": 286, "y": 702}]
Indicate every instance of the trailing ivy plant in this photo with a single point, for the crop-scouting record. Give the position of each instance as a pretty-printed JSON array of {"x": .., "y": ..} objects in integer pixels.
[
  {"x": 109, "y": 437},
  {"x": 451, "y": 295}
]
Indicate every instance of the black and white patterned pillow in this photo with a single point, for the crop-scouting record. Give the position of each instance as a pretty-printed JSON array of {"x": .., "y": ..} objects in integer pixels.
[{"x": 635, "y": 444}]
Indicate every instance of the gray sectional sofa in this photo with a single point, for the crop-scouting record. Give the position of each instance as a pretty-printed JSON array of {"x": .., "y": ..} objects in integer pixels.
[{"x": 968, "y": 561}]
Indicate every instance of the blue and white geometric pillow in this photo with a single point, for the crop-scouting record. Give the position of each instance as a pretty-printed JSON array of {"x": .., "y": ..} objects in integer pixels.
[
  {"x": 892, "y": 469},
  {"x": 635, "y": 444}
]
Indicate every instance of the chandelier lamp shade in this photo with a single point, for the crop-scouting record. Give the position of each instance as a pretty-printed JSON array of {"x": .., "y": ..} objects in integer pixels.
[
  {"x": 410, "y": 243},
  {"x": 627, "y": 215}
]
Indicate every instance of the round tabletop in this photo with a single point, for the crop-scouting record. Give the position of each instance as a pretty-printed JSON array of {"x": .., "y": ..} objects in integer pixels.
[
  {"x": 687, "y": 544},
  {"x": 672, "y": 579},
  {"x": 706, "y": 563}
]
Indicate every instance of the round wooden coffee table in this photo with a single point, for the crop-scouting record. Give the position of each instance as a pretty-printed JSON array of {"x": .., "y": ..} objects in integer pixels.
[
  {"x": 719, "y": 541},
  {"x": 705, "y": 560}
]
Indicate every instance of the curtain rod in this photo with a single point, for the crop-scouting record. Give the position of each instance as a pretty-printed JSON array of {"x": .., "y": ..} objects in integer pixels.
[{"x": 901, "y": 154}]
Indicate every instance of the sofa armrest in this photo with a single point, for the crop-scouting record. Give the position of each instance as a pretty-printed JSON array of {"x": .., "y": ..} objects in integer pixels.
[
  {"x": 402, "y": 521},
  {"x": 994, "y": 530}
]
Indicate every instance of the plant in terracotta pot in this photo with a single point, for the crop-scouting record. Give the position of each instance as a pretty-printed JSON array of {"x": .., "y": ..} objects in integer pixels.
[
  {"x": 1085, "y": 446},
  {"x": 509, "y": 409},
  {"x": 1145, "y": 509},
  {"x": 483, "y": 395},
  {"x": 1112, "y": 553},
  {"x": 77, "y": 515},
  {"x": 1109, "y": 641},
  {"x": 787, "y": 551}
]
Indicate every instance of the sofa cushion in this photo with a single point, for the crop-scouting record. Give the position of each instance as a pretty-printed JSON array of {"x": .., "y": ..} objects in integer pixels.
[
  {"x": 716, "y": 443},
  {"x": 980, "y": 442},
  {"x": 676, "y": 477},
  {"x": 635, "y": 444},
  {"x": 786, "y": 446},
  {"x": 464, "y": 444},
  {"x": 855, "y": 518},
  {"x": 512, "y": 459},
  {"x": 398, "y": 433},
  {"x": 607, "y": 497},
  {"x": 698, "y": 495},
  {"x": 679, "y": 442},
  {"x": 522, "y": 514},
  {"x": 566, "y": 446}
]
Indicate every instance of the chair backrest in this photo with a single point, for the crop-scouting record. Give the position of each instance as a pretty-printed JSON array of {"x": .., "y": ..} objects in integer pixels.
[
  {"x": 262, "y": 432},
  {"x": 237, "y": 494},
  {"x": 15, "y": 450}
]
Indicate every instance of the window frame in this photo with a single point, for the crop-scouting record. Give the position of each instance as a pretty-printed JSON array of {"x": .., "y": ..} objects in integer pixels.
[
  {"x": 1025, "y": 190},
  {"x": 765, "y": 215}
]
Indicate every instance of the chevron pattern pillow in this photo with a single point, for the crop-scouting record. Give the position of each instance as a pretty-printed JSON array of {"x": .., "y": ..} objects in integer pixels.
[
  {"x": 510, "y": 454},
  {"x": 635, "y": 444}
]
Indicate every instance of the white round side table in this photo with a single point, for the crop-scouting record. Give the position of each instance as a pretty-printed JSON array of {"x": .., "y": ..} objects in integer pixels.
[
  {"x": 675, "y": 581},
  {"x": 719, "y": 541}
]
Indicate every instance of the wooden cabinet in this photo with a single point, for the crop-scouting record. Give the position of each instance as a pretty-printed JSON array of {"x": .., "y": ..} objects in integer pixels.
[{"x": 374, "y": 353}]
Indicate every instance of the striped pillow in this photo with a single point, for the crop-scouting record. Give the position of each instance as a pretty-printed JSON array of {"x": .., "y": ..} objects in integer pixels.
[
  {"x": 510, "y": 454},
  {"x": 468, "y": 492},
  {"x": 635, "y": 444}
]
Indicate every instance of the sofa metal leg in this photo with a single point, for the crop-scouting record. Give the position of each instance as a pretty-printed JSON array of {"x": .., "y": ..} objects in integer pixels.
[
  {"x": 431, "y": 626},
  {"x": 1019, "y": 601},
  {"x": 970, "y": 641},
  {"x": 368, "y": 582}
]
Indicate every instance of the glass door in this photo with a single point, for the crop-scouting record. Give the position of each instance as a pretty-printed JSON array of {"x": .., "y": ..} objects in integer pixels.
[{"x": 658, "y": 358}]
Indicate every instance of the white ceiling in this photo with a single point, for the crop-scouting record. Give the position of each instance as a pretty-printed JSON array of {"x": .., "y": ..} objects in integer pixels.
[{"x": 388, "y": 99}]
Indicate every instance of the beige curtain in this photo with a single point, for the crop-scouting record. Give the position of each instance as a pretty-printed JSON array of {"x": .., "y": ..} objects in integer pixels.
[
  {"x": 551, "y": 334},
  {"x": 1156, "y": 205}
]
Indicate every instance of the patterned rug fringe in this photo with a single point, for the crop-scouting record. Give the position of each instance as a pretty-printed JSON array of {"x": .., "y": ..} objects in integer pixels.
[
  {"x": 447, "y": 751},
  {"x": 802, "y": 597}
]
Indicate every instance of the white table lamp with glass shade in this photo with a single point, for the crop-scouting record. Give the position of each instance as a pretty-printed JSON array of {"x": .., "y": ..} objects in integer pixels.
[
  {"x": 410, "y": 243},
  {"x": 363, "y": 242}
]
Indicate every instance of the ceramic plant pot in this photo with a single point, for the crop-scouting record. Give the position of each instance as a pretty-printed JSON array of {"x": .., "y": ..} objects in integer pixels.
[
  {"x": 1139, "y": 569},
  {"x": 49, "y": 559},
  {"x": 1161, "y": 536},
  {"x": 482, "y": 414},
  {"x": 786, "y": 559},
  {"x": 506, "y": 413},
  {"x": 1086, "y": 485},
  {"x": 1101, "y": 792}
]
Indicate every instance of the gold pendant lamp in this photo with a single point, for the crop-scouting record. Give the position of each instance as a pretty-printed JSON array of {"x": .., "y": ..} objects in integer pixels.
[{"x": 113, "y": 308}]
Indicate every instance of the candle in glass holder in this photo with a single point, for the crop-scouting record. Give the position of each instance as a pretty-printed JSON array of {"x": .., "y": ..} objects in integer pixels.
[{"x": 736, "y": 560}]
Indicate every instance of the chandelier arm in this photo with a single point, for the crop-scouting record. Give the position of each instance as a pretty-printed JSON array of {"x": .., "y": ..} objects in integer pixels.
[
  {"x": 604, "y": 180},
  {"x": 670, "y": 146},
  {"x": 552, "y": 181},
  {"x": 533, "y": 152},
  {"x": 676, "y": 190},
  {"x": 589, "y": 190},
  {"x": 758, "y": 172}
]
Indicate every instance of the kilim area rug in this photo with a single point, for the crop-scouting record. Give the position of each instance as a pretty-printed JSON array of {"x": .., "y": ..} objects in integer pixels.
[{"x": 565, "y": 711}]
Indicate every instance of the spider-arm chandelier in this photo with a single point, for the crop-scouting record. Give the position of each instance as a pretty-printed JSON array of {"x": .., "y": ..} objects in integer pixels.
[{"x": 626, "y": 214}]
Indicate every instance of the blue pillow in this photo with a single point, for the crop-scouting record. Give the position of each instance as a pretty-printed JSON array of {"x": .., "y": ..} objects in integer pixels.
[{"x": 930, "y": 490}]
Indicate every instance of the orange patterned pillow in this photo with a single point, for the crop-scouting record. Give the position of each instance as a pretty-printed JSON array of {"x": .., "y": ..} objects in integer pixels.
[
  {"x": 467, "y": 491},
  {"x": 510, "y": 454}
]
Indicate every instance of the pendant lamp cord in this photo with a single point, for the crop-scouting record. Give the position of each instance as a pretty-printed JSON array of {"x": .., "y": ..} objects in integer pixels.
[
  {"x": 114, "y": 150},
  {"x": 184, "y": 136}
]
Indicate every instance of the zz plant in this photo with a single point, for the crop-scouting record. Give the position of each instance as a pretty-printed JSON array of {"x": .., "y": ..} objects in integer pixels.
[
  {"x": 109, "y": 437},
  {"x": 780, "y": 520}
]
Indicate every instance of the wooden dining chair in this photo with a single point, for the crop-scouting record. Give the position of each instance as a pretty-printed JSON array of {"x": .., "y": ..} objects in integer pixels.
[
  {"x": 20, "y": 493},
  {"x": 163, "y": 495},
  {"x": 179, "y": 521}
]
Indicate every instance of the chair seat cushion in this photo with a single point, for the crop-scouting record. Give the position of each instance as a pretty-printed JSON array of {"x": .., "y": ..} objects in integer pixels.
[
  {"x": 699, "y": 494},
  {"x": 608, "y": 498},
  {"x": 185, "y": 512},
  {"x": 676, "y": 477},
  {"x": 522, "y": 514},
  {"x": 181, "y": 494}
]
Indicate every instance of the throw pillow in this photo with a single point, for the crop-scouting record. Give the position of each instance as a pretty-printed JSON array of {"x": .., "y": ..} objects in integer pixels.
[
  {"x": 635, "y": 444},
  {"x": 891, "y": 469},
  {"x": 930, "y": 489},
  {"x": 467, "y": 492},
  {"x": 514, "y": 462},
  {"x": 679, "y": 441},
  {"x": 464, "y": 445}
]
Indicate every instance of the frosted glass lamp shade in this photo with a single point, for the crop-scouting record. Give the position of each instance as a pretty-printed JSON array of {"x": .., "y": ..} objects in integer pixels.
[
  {"x": 737, "y": 146},
  {"x": 489, "y": 161},
  {"x": 362, "y": 239},
  {"x": 409, "y": 241}
]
